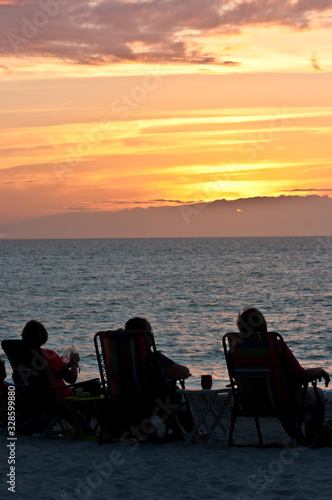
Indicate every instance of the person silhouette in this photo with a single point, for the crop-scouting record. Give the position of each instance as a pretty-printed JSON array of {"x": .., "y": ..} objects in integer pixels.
[
  {"x": 170, "y": 373},
  {"x": 252, "y": 320}
]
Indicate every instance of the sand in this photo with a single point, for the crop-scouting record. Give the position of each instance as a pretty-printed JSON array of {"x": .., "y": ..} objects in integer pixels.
[{"x": 60, "y": 469}]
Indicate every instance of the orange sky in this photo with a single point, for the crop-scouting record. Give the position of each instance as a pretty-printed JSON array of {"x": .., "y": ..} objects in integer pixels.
[{"x": 119, "y": 104}]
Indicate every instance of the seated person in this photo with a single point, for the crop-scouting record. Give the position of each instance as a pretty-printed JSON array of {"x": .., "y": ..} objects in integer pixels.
[
  {"x": 171, "y": 372},
  {"x": 35, "y": 332},
  {"x": 252, "y": 320}
]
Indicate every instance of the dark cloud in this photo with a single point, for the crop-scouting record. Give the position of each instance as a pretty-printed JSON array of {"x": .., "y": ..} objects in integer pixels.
[
  {"x": 230, "y": 63},
  {"x": 143, "y": 202},
  {"x": 297, "y": 14},
  {"x": 318, "y": 190},
  {"x": 78, "y": 208},
  {"x": 261, "y": 216},
  {"x": 146, "y": 31},
  {"x": 173, "y": 201}
]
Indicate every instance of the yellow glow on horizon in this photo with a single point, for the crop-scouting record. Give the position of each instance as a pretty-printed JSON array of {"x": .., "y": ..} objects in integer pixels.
[
  {"x": 253, "y": 119},
  {"x": 162, "y": 151},
  {"x": 228, "y": 153}
]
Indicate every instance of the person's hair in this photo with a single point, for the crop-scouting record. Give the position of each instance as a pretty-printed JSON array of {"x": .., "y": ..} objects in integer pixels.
[
  {"x": 251, "y": 320},
  {"x": 138, "y": 324},
  {"x": 35, "y": 332}
]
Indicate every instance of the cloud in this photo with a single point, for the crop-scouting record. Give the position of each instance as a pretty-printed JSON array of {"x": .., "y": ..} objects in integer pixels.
[
  {"x": 261, "y": 216},
  {"x": 143, "y": 202},
  {"x": 4, "y": 68},
  {"x": 155, "y": 31},
  {"x": 304, "y": 190},
  {"x": 230, "y": 63},
  {"x": 297, "y": 14},
  {"x": 78, "y": 208},
  {"x": 314, "y": 63},
  {"x": 174, "y": 201}
]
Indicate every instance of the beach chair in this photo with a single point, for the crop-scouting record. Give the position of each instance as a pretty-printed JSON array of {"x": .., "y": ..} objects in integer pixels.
[
  {"x": 38, "y": 400},
  {"x": 131, "y": 381},
  {"x": 260, "y": 380}
]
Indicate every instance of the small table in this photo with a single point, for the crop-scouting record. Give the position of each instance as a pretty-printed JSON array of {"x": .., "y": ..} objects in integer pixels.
[
  {"x": 82, "y": 410},
  {"x": 209, "y": 397}
]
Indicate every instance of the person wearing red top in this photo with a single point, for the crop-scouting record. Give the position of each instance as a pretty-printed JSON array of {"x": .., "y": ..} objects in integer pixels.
[
  {"x": 61, "y": 372},
  {"x": 252, "y": 320}
]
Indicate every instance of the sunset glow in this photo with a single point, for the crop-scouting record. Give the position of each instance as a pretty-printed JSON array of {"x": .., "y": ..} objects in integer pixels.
[{"x": 162, "y": 104}]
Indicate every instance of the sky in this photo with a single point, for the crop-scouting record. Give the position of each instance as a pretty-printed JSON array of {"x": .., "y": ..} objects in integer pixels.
[{"x": 111, "y": 105}]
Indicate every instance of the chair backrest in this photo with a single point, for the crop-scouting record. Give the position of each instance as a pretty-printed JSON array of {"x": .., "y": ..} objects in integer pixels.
[
  {"x": 259, "y": 373},
  {"x": 128, "y": 369},
  {"x": 31, "y": 374}
]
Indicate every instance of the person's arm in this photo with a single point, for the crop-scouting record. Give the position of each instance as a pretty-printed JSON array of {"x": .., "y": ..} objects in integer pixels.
[
  {"x": 305, "y": 374},
  {"x": 317, "y": 374},
  {"x": 177, "y": 371},
  {"x": 69, "y": 372}
]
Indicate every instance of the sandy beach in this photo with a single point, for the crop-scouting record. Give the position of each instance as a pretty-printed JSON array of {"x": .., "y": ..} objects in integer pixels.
[{"x": 58, "y": 468}]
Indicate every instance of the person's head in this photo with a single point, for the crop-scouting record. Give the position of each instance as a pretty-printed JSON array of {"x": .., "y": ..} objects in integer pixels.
[
  {"x": 35, "y": 332},
  {"x": 251, "y": 320},
  {"x": 138, "y": 324}
]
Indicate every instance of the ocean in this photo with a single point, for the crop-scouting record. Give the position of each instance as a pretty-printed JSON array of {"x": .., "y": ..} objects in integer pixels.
[{"x": 190, "y": 290}]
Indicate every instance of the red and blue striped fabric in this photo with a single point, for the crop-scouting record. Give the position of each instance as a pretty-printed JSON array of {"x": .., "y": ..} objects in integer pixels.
[
  {"x": 260, "y": 372},
  {"x": 127, "y": 358}
]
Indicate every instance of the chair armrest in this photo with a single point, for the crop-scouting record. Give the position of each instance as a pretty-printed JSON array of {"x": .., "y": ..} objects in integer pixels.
[{"x": 92, "y": 385}]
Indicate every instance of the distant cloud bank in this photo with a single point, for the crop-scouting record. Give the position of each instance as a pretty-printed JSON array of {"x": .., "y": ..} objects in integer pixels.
[{"x": 263, "y": 216}]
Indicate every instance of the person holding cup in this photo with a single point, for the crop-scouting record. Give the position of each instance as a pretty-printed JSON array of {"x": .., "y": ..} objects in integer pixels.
[{"x": 61, "y": 372}]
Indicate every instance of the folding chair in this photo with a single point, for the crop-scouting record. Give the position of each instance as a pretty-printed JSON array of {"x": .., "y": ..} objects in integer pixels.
[
  {"x": 40, "y": 404},
  {"x": 131, "y": 381},
  {"x": 260, "y": 380}
]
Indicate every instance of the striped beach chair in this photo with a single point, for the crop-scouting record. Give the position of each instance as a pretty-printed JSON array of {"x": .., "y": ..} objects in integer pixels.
[
  {"x": 260, "y": 380},
  {"x": 129, "y": 374}
]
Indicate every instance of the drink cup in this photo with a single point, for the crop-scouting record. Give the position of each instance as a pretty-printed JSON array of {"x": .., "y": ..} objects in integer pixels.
[{"x": 206, "y": 381}]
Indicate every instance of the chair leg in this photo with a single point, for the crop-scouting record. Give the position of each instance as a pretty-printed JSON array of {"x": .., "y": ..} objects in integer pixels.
[
  {"x": 49, "y": 426},
  {"x": 25, "y": 423},
  {"x": 65, "y": 431},
  {"x": 260, "y": 437},
  {"x": 231, "y": 430}
]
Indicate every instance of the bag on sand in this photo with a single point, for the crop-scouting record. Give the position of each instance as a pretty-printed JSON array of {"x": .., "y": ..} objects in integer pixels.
[{"x": 324, "y": 434}]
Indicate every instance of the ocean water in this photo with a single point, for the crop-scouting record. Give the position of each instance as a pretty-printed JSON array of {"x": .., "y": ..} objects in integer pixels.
[{"x": 190, "y": 290}]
